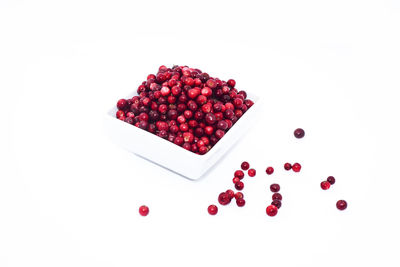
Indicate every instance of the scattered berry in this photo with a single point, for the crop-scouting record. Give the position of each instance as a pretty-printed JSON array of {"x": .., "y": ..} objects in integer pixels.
[
  {"x": 252, "y": 172},
  {"x": 238, "y": 195},
  {"x": 341, "y": 204},
  {"x": 296, "y": 167},
  {"x": 239, "y": 185},
  {"x": 239, "y": 174},
  {"x": 245, "y": 165},
  {"x": 143, "y": 210},
  {"x": 325, "y": 185},
  {"x": 271, "y": 210},
  {"x": 299, "y": 133},
  {"x": 235, "y": 180},
  {"x": 277, "y": 203},
  {"x": 269, "y": 170},
  {"x": 212, "y": 209},
  {"x": 287, "y": 166},
  {"x": 224, "y": 199},
  {"x": 276, "y": 196},
  {"x": 230, "y": 193},
  {"x": 240, "y": 202},
  {"x": 275, "y": 188},
  {"x": 331, "y": 180}
]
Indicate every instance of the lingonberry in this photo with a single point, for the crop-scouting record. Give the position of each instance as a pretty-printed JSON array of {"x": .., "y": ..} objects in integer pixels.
[
  {"x": 239, "y": 174},
  {"x": 122, "y": 104},
  {"x": 272, "y": 210},
  {"x": 325, "y": 185},
  {"x": 203, "y": 150},
  {"x": 238, "y": 195},
  {"x": 120, "y": 114},
  {"x": 231, "y": 83},
  {"x": 235, "y": 180},
  {"x": 240, "y": 202},
  {"x": 269, "y": 170},
  {"x": 299, "y": 133},
  {"x": 245, "y": 165},
  {"x": 224, "y": 199},
  {"x": 143, "y": 210},
  {"x": 239, "y": 185},
  {"x": 223, "y": 125},
  {"x": 341, "y": 204},
  {"x": 331, "y": 180},
  {"x": 251, "y": 172},
  {"x": 277, "y": 196},
  {"x": 230, "y": 193},
  {"x": 210, "y": 118},
  {"x": 287, "y": 166},
  {"x": 212, "y": 209},
  {"x": 296, "y": 167},
  {"x": 219, "y": 133},
  {"x": 275, "y": 188},
  {"x": 277, "y": 203}
]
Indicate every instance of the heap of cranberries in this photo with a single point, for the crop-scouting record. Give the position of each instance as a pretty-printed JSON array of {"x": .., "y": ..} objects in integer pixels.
[{"x": 185, "y": 106}]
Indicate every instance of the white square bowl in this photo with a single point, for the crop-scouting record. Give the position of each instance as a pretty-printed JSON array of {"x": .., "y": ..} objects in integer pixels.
[{"x": 173, "y": 157}]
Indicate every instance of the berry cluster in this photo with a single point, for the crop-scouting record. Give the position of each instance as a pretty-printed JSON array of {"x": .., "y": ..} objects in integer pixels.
[
  {"x": 185, "y": 106},
  {"x": 276, "y": 203}
]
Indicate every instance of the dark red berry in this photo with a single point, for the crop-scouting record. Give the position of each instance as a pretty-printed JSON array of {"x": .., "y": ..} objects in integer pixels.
[
  {"x": 224, "y": 199},
  {"x": 212, "y": 209},
  {"x": 287, "y": 166},
  {"x": 296, "y": 167},
  {"x": 239, "y": 174},
  {"x": 143, "y": 210},
  {"x": 122, "y": 104},
  {"x": 239, "y": 185},
  {"x": 331, "y": 180},
  {"x": 269, "y": 170},
  {"x": 325, "y": 185},
  {"x": 277, "y": 196},
  {"x": 245, "y": 165},
  {"x": 341, "y": 204},
  {"x": 272, "y": 210},
  {"x": 299, "y": 133},
  {"x": 238, "y": 195},
  {"x": 230, "y": 193},
  {"x": 277, "y": 203},
  {"x": 251, "y": 172},
  {"x": 275, "y": 188},
  {"x": 240, "y": 202}
]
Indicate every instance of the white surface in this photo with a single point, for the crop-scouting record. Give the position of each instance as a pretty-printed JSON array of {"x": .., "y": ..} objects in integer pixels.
[
  {"x": 168, "y": 155},
  {"x": 69, "y": 197}
]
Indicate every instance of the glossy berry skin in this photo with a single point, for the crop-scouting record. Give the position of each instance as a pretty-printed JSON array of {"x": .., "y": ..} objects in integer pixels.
[
  {"x": 296, "y": 167},
  {"x": 239, "y": 185},
  {"x": 235, "y": 180},
  {"x": 276, "y": 196},
  {"x": 245, "y": 165},
  {"x": 143, "y": 210},
  {"x": 230, "y": 193},
  {"x": 299, "y": 133},
  {"x": 212, "y": 209},
  {"x": 325, "y": 185},
  {"x": 277, "y": 203},
  {"x": 238, "y": 195},
  {"x": 251, "y": 172},
  {"x": 287, "y": 166},
  {"x": 224, "y": 199},
  {"x": 275, "y": 188},
  {"x": 331, "y": 180},
  {"x": 240, "y": 202},
  {"x": 122, "y": 104},
  {"x": 341, "y": 204},
  {"x": 269, "y": 170},
  {"x": 239, "y": 174},
  {"x": 272, "y": 210}
]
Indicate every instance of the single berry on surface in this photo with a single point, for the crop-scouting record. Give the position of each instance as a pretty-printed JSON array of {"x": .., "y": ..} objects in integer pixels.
[
  {"x": 325, "y": 185},
  {"x": 272, "y": 210},
  {"x": 269, "y": 170},
  {"x": 341, "y": 204},
  {"x": 252, "y": 172},
  {"x": 239, "y": 185},
  {"x": 287, "y": 166},
  {"x": 245, "y": 165},
  {"x": 299, "y": 133},
  {"x": 275, "y": 188},
  {"x": 331, "y": 180},
  {"x": 240, "y": 202},
  {"x": 296, "y": 167},
  {"x": 143, "y": 210},
  {"x": 212, "y": 209}
]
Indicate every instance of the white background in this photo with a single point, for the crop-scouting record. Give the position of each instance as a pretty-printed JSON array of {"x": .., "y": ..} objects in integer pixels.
[{"x": 69, "y": 197}]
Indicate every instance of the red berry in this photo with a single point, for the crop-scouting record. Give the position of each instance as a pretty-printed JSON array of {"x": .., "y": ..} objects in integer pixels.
[
  {"x": 299, "y": 133},
  {"x": 252, "y": 172},
  {"x": 224, "y": 199},
  {"x": 230, "y": 193},
  {"x": 331, "y": 180},
  {"x": 277, "y": 203},
  {"x": 212, "y": 209},
  {"x": 269, "y": 170},
  {"x": 239, "y": 185},
  {"x": 122, "y": 104},
  {"x": 325, "y": 185},
  {"x": 296, "y": 167},
  {"x": 245, "y": 165},
  {"x": 231, "y": 83},
  {"x": 120, "y": 114},
  {"x": 143, "y": 210},
  {"x": 239, "y": 174},
  {"x": 276, "y": 196},
  {"x": 275, "y": 188},
  {"x": 238, "y": 195},
  {"x": 271, "y": 210},
  {"x": 287, "y": 166},
  {"x": 341, "y": 204},
  {"x": 235, "y": 180},
  {"x": 240, "y": 202}
]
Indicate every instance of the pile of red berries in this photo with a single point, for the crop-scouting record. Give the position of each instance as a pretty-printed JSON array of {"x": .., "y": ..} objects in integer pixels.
[{"x": 185, "y": 106}]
